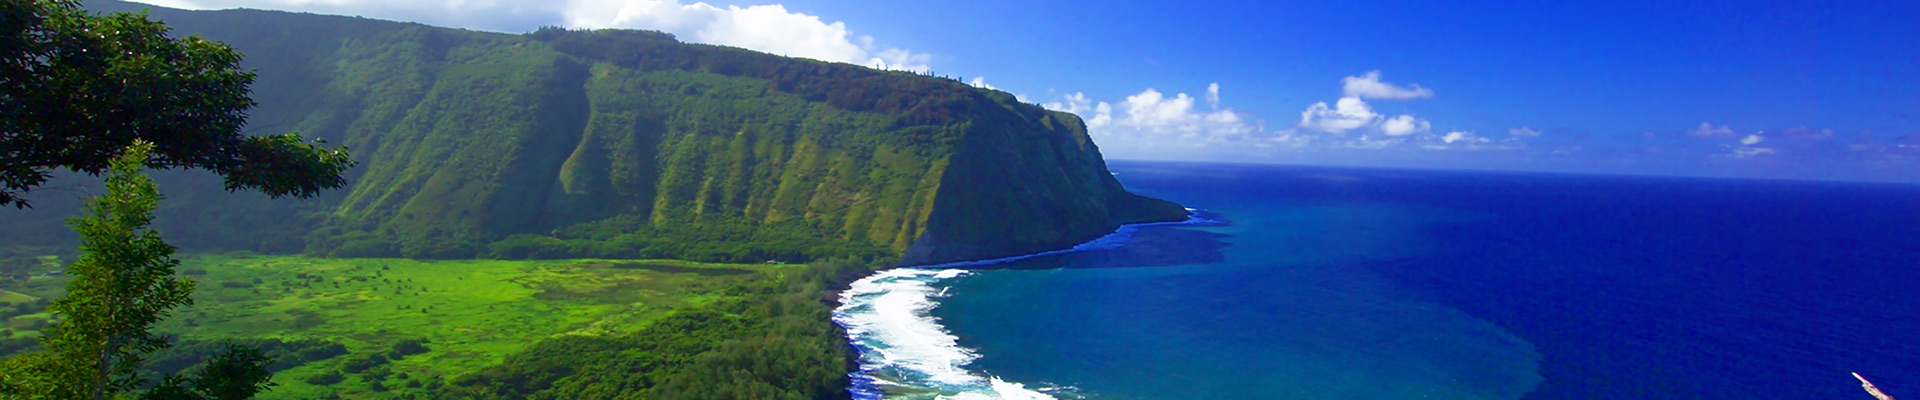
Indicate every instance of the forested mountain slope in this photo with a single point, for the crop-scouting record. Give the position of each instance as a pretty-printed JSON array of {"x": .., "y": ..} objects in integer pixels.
[{"x": 626, "y": 144}]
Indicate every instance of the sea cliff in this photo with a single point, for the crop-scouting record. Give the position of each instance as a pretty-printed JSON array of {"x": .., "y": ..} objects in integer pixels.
[{"x": 631, "y": 144}]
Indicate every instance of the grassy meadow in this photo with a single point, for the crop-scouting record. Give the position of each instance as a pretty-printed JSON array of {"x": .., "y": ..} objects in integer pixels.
[{"x": 468, "y": 315}]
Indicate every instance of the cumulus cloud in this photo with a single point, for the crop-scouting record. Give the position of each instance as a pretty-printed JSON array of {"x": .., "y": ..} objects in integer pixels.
[
  {"x": 1347, "y": 114},
  {"x": 1369, "y": 86},
  {"x": 1155, "y": 117},
  {"x": 980, "y": 82},
  {"x": 1213, "y": 95},
  {"x": 1150, "y": 108},
  {"x": 1524, "y": 131},
  {"x": 1461, "y": 136},
  {"x": 767, "y": 28},
  {"x": 1747, "y": 148},
  {"x": 1708, "y": 130},
  {"x": 1351, "y": 111},
  {"x": 1470, "y": 141},
  {"x": 1158, "y": 113},
  {"x": 1077, "y": 103},
  {"x": 1102, "y": 116},
  {"x": 1074, "y": 103},
  {"x": 1404, "y": 125},
  {"x": 1097, "y": 114}
]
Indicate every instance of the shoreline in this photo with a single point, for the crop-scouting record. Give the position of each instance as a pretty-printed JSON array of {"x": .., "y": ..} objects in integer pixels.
[{"x": 862, "y": 386}]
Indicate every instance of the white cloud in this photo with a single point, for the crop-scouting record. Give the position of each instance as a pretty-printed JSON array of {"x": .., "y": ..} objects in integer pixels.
[
  {"x": 980, "y": 82},
  {"x": 1153, "y": 118},
  {"x": 1708, "y": 130},
  {"x": 1462, "y": 136},
  {"x": 1752, "y": 140},
  {"x": 767, "y": 28},
  {"x": 1213, "y": 95},
  {"x": 1470, "y": 141},
  {"x": 891, "y": 58},
  {"x": 1157, "y": 113},
  {"x": 1290, "y": 138},
  {"x": 1347, "y": 114},
  {"x": 1368, "y": 142},
  {"x": 1404, "y": 125},
  {"x": 1102, "y": 116},
  {"x": 1152, "y": 109},
  {"x": 1750, "y": 152},
  {"x": 1369, "y": 86},
  {"x": 1077, "y": 103},
  {"x": 1524, "y": 131},
  {"x": 1350, "y": 113},
  {"x": 1097, "y": 115}
]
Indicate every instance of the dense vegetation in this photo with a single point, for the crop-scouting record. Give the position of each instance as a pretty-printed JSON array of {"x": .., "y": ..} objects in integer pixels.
[
  {"x": 628, "y": 144},
  {"x": 123, "y": 285},
  {"x": 392, "y": 328},
  {"x": 776, "y": 341},
  {"x": 573, "y": 144},
  {"x": 76, "y": 89}
]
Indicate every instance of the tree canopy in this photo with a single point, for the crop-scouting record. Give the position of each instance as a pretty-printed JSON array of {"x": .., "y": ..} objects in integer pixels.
[
  {"x": 124, "y": 283},
  {"x": 77, "y": 88}
]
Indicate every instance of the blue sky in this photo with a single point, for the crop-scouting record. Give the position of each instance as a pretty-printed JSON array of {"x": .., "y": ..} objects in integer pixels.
[{"x": 1797, "y": 90}]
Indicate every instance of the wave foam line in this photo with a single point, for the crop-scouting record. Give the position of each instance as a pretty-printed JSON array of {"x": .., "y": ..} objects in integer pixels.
[{"x": 888, "y": 319}]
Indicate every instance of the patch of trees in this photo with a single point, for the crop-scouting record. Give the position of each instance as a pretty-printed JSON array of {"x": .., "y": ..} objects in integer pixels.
[
  {"x": 23, "y": 308},
  {"x": 115, "y": 94},
  {"x": 777, "y": 341},
  {"x": 375, "y": 368},
  {"x": 76, "y": 89},
  {"x": 23, "y": 263},
  {"x": 713, "y": 241},
  {"x": 400, "y": 350},
  {"x": 124, "y": 283},
  {"x": 190, "y": 355}
]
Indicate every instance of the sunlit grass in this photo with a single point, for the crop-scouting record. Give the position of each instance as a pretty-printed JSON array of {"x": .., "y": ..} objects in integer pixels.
[{"x": 472, "y": 313}]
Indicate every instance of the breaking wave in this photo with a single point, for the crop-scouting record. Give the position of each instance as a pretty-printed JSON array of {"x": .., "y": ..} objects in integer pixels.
[{"x": 904, "y": 351}]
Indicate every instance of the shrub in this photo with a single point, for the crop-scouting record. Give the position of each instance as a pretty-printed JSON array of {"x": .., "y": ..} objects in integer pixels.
[
  {"x": 362, "y": 364},
  {"x": 409, "y": 347},
  {"x": 329, "y": 378}
]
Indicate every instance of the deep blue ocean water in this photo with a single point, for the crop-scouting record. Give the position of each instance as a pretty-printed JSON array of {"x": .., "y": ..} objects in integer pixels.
[{"x": 1317, "y": 283}]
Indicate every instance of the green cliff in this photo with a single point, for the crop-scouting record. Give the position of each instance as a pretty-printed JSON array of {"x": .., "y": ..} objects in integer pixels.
[{"x": 629, "y": 144}]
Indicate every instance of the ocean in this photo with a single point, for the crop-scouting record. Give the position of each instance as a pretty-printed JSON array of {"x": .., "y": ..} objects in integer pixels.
[{"x": 1298, "y": 282}]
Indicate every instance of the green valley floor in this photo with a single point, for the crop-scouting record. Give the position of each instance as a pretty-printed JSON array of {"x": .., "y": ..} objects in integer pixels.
[{"x": 411, "y": 328}]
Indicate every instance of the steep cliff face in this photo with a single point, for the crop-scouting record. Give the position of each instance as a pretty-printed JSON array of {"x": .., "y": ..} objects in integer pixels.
[
  {"x": 611, "y": 143},
  {"x": 1025, "y": 180}
]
